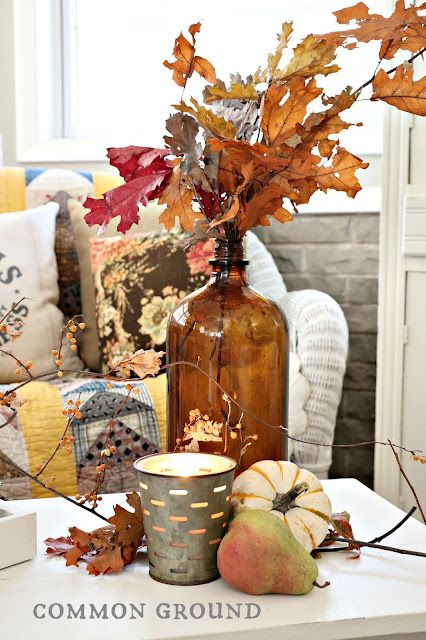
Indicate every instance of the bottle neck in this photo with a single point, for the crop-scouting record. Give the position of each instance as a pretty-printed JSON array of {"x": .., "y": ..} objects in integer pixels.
[{"x": 228, "y": 263}]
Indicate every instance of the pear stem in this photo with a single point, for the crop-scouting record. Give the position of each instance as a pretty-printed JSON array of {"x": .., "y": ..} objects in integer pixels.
[{"x": 285, "y": 501}]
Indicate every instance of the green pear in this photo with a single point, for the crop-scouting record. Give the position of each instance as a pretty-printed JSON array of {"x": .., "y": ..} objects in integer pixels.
[{"x": 259, "y": 554}]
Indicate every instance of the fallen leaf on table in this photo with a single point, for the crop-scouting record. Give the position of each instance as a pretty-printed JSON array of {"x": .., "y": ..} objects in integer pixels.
[{"x": 107, "y": 549}]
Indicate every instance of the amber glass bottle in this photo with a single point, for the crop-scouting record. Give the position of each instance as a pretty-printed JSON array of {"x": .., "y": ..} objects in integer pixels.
[{"x": 240, "y": 339}]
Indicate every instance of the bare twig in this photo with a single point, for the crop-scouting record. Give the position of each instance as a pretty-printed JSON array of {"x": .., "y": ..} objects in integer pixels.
[
  {"x": 51, "y": 489},
  {"x": 373, "y": 545},
  {"x": 404, "y": 475},
  {"x": 12, "y": 309},
  {"x": 396, "y": 527}
]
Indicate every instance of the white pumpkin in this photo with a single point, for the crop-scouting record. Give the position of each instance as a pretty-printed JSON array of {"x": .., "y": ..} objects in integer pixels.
[{"x": 292, "y": 494}]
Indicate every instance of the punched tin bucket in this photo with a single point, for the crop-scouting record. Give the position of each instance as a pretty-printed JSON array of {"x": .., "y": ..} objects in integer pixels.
[{"x": 186, "y": 505}]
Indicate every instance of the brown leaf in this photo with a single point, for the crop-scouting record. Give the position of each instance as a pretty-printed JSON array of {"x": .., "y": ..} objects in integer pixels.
[
  {"x": 230, "y": 214},
  {"x": 187, "y": 62},
  {"x": 178, "y": 197},
  {"x": 107, "y": 549},
  {"x": 404, "y": 29},
  {"x": 144, "y": 363},
  {"x": 110, "y": 560},
  {"x": 340, "y": 174},
  {"x": 266, "y": 202},
  {"x": 58, "y": 546},
  {"x": 318, "y": 126},
  {"x": 213, "y": 124},
  {"x": 274, "y": 59},
  {"x": 183, "y": 142},
  {"x": 311, "y": 57},
  {"x": 237, "y": 91},
  {"x": 129, "y": 524},
  {"x": 280, "y": 117},
  {"x": 401, "y": 91}
]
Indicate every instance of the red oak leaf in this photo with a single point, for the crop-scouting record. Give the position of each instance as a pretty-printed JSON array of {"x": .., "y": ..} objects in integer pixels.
[
  {"x": 123, "y": 201},
  {"x": 134, "y": 162}
]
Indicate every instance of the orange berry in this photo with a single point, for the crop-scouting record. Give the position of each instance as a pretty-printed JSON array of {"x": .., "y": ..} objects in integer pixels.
[
  {"x": 69, "y": 335},
  {"x": 255, "y": 437},
  {"x": 60, "y": 374},
  {"x": 29, "y": 364},
  {"x": 73, "y": 328},
  {"x": 73, "y": 347},
  {"x": 17, "y": 372},
  {"x": 109, "y": 385},
  {"x": 58, "y": 362},
  {"x": 129, "y": 387},
  {"x": 77, "y": 403},
  {"x": 78, "y": 415},
  {"x": 233, "y": 435},
  {"x": 82, "y": 325}
]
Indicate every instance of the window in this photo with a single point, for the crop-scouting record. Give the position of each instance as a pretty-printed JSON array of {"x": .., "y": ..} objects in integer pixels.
[{"x": 100, "y": 63}]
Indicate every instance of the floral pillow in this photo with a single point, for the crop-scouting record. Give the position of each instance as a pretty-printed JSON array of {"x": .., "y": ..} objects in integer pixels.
[{"x": 138, "y": 282}]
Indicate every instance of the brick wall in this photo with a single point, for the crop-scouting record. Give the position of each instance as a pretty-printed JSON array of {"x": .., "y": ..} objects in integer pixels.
[{"x": 338, "y": 254}]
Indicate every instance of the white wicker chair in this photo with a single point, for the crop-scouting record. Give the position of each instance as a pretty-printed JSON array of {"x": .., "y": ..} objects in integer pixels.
[{"x": 319, "y": 337}]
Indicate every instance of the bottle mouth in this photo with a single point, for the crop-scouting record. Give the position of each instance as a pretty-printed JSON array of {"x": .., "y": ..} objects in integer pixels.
[{"x": 229, "y": 253}]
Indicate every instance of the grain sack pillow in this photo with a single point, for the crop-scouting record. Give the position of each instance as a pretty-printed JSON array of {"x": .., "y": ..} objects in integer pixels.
[
  {"x": 28, "y": 268},
  {"x": 138, "y": 282}
]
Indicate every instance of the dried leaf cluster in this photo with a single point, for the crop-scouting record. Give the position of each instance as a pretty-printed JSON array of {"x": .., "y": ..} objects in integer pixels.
[
  {"x": 259, "y": 147},
  {"x": 107, "y": 549}
]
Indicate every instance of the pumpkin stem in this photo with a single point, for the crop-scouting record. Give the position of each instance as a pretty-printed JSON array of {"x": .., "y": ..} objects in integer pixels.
[{"x": 285, "y": 501}]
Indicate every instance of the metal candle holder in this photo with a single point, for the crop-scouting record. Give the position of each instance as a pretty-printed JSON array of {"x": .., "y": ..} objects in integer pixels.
[{"x": 186, "y": 503}]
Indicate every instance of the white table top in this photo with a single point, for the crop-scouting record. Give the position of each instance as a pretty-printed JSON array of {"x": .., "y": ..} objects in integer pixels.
[{"x": 377, "y": 595}]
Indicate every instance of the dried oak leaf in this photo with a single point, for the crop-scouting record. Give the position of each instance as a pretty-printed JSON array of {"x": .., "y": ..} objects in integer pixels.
[
  {"x": 187, "y": 62},
  {"x": 404, "y": 29},
  {"x": 123, "y": 201},
  {"x": 178, "y": 197},
  {"x": 107, "y": 549},
  {"x": 319, "y": 125},
  {"x": 274, "y": 59},
  {"x": 134, "y": 162},
  {"x": 401, "y": 91},
  {"x": 213, "y": 124},
  {"x": 237, "y": 91},
  {"x": 183, "y": 142},
  {"x": 285, "y": 107},
  {"x": 311, "y": 57},
  {"x": 144, "y": 362}
]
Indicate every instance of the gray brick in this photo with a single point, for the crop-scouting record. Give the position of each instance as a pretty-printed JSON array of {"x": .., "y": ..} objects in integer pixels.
[
  {"x": 363, "y": 290},
  {"x": 365, "y": 228},
  {"x": 362, "y": 347},
  {"x": 354, "y": 462},
  {"x": 360, "y": 376},
  {"x": 342, "y": 259},
  {"x": 352, "y": 430},
  {"x": 361, "y": 318},
  {"x": 348, "y": 464},
  {"x": 360, "y": 404},
  {"x": 333, "y": 285},
  {"x": 304, "y": 228},
  {"x": 288, "y": 258}
]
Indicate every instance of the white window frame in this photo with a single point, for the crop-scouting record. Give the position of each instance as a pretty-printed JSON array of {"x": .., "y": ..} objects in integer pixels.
[{"x": 43, "y": 140}]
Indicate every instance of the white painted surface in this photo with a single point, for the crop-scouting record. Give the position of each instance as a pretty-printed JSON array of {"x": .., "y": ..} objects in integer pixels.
[{"x": 381, "y": 594}]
